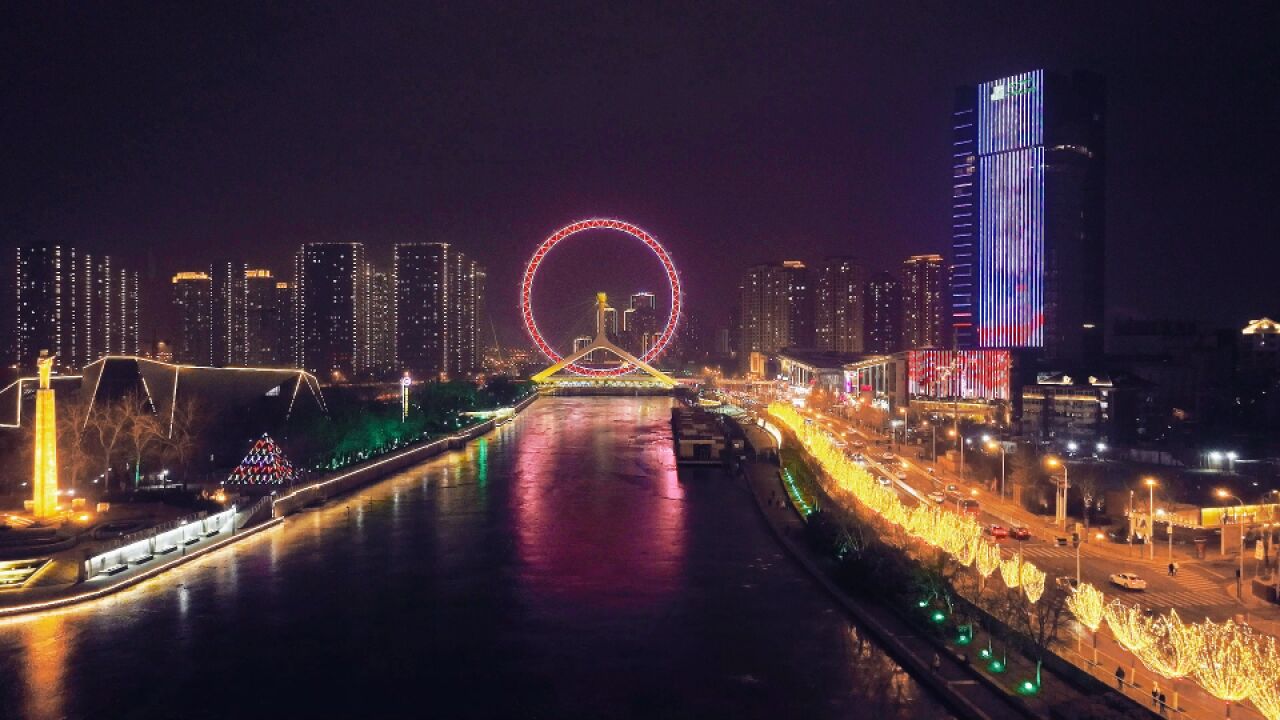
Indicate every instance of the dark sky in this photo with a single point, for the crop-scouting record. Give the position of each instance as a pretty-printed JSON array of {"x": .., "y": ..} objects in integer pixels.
[{"x": 736, "y": 132}]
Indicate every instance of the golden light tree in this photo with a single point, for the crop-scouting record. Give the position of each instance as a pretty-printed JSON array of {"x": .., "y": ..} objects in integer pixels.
[
  {"x": 1087, "y": 603},
  {"x": 1011, "y": 570},
  {"x": 1174, "y": 650},
  {"x": 1130, "y": 627},
  {"x": 988, "y": 559},
  {"x": 1226, "y": 661},
  {"x": 1032, "y": 580},
  {"x": 1266, "y": 693}
]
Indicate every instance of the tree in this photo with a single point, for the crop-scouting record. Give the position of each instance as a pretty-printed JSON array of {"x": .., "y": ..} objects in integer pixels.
[
  {"x": 1087, "y": 480},
  {"x": 182, "y": 440},
  {"x": 142, "y": 432},
  {"x": 105, "y": 426},
  {"x": 75, "y": 458}
]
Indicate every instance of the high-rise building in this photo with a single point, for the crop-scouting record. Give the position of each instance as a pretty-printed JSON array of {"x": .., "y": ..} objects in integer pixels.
[
  {"x": 765, "y": 296},
  {"x": 1027, "y": 209},
  {"x": 191, "y": 299},
  {"x": 228, "y": 312},
  {"x": 884, "y": 314},
  {"x": 643, "y": 299},
  {"x": 800, "y": 297},
  {"x": 439, "y": 306},
  {"x": 839, "y": 307},
  {"x": 332, "y": 309},
  {"x": 74, "y": 305},
  {"x": 923, "y": 302},
  {"x": 382, "y": 327},
  {"x": 267, "y": 320}
]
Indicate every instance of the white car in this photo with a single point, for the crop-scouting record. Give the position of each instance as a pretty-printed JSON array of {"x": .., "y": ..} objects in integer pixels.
[
  {"x": 901, "y": 474},
  {"x": 937, "y": 497},
  {"x": 884, "y": 480},
  {"x": 887, "y": 457},
  {"x": 1129, "y": 581}
]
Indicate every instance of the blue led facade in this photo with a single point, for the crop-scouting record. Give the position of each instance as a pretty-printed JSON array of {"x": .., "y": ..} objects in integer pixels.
[{"x": 998, "y": 211}]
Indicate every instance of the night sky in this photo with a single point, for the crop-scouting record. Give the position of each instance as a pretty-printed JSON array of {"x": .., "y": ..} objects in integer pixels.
[{"x": 735, "y": 132}]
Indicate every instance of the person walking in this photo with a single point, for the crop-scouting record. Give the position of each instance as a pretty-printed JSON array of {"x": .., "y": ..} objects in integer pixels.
[
  {"x": 1170, "y": 569},
  {"x": 1162, "y": 706},
  {"x": 1175, "y": 568},
  {"x": 1119, "y": 678},
  {"x": 1155, "y": 694},
  {"x": 937, "y": 662}
]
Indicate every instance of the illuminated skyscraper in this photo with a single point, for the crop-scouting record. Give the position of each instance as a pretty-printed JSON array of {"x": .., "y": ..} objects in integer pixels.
[
  {"x": 923, "y": 302},
  {"x": 332, "y": 309},
  {"x": 838, "y": 306},
  {"x": 884, "y": 314},
  {"x": 191, "y": 298},
  {"x": 439, "y": 308},
  {"x": 228, "y": 304},
  {"x": 765, "y": 296},
  {"x": 800, "y": 299},
  {"x": 74, "y": 305},
  {"x": 1027, "y": 209},
  {"x": 268, "y": 319},
  {"x": 382, "y": 327},
  {"x": 643, "y": 300}
]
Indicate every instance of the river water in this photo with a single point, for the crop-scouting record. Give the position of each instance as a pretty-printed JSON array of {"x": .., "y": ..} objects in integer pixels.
[{"x": 559, "y": 568}]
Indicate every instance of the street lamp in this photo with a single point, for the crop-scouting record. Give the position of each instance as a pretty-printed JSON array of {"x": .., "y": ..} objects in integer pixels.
[
  {"x": 993, "y": 445},
  {"x": 1240, "y": 572},
  {"x": 1063, "y": 487},
  {"x": 1151, "y": 483}
]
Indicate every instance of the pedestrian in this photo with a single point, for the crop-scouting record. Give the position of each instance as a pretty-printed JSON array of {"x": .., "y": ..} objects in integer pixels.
[
  {"x": 1175, "y": 568},
  {"x": 937, "y": 662},
  {"x": 1155, "y": 694},
  {"x": 1170, "y": 569},
  {"x": 1119, "y": 678},
  {"x": 1162, "y": 705}
]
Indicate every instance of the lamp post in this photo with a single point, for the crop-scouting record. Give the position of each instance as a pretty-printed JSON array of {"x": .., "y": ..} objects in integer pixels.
[
  {"x": 1150, "y": 482},
  {"x": 1063, "y": 487},
  {"x": 1239, "y": 572},
  {"x": 1168, "y": 516},
  {"x": 993, "y": 445}
]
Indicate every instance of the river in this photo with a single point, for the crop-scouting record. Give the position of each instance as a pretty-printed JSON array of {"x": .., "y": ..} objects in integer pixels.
[{"x": 561, "y": 567}]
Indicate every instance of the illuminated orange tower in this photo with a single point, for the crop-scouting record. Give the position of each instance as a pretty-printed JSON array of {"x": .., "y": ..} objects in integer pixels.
[{"x": 45, "y": 473}]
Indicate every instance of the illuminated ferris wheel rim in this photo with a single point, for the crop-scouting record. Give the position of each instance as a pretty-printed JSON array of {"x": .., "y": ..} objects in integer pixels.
[{"x": 530, "y": 271}]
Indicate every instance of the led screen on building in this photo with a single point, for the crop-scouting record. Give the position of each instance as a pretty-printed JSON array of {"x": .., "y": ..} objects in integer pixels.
[
  {"x": 964, "y": 374},
  {"x": 1010, "y": 253}
]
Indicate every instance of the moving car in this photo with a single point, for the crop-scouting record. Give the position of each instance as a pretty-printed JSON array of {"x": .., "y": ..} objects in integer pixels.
[
  {"x": 937, "y": 497},
  {"x": 997, "y": 532},
  {"x": 1128, "y": 581},
  {"x": 952, "y": 488},
  {"x": 900, "y": 474},
  {"x": 1017, "y": 532},
  {"x": 884, "y": 480},
  {"x": 969, "y": 507},
  {"x": 887, "y": 457}
]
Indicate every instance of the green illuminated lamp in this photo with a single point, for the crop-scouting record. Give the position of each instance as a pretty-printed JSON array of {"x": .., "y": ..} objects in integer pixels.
[
  {"x": 996, "y": 666},
  {"x": 939, "y": 616}
]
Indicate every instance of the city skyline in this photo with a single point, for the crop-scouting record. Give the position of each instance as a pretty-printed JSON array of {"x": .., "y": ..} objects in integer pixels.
[{"x": 890, "y": 122}]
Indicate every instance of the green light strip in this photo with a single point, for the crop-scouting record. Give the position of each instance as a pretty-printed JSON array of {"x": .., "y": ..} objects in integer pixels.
[{"x": 794, "y": 492}]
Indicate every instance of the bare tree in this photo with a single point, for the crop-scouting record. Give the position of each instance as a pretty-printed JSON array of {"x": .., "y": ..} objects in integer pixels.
[
  {"x": 142, "y": 432},
  {"x": 105, "y": 426},
  {"x": 1087, "y": 480},
  {"x": 74, "y": 454},
  {"x": 182, "y": 439}
]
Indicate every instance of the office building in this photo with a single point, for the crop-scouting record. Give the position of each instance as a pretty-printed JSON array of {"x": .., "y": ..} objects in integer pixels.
[
  {"x": 191, "y": 300},
  {"x": 839, "y": 307},
  {"x": 72, "y": 304},
  {"x": 884, "y": 314},
  {"x": 800, "y": 298},
  {"x": 923, "y": 302},
  {"x": 439, "y": 307},
  {"x": 332, "y": 309},
  {"x": 1027, "y": 209},
  {"x": 764, "y": 294}
]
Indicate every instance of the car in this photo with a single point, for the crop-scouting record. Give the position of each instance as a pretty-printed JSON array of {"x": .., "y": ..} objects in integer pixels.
[
  {"x": 1067, "y": 584},
  {"x": 887, "y": 457},
  {"x": 884, "y": 480},
  {"x": 937, "y": 497},
  {"x": 970, "y": 506},
  {"x": 1017, "y": 532},
  {"x": 900, "y": 474},
  {"x": 952, "y": 488},
  {"x": 1128, "y": 581},
  {"x": 929, "y": 470},
  {"x": 996, "y": 531}
]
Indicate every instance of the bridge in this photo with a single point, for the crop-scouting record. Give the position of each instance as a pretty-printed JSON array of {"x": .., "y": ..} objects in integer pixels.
[{"x": 565, "y": 377}]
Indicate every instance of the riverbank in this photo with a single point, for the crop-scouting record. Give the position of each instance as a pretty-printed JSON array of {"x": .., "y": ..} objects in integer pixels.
[{"x": 151, "y": 553}]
